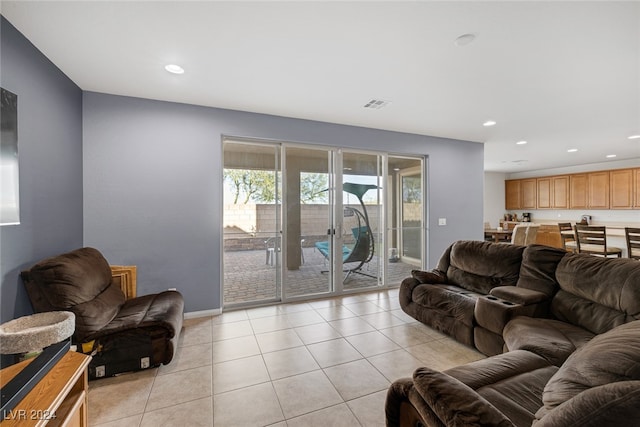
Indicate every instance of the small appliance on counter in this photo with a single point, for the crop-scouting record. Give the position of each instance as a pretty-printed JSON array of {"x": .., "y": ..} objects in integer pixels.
[
  {"x": 585, "y": 219},
  {"x": 526, "y": 217}
]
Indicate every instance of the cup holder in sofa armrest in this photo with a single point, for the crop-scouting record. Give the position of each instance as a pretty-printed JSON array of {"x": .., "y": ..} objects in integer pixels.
[
  {"x": 518, "y": 295},
  {"x": 494, "y": 313}
]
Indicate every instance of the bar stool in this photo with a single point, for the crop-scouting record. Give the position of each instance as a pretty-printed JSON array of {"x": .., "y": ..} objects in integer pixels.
[
  {"x": 592, "y": 239},
  {"x": 568, "y": 236},
  {"x": 633, "y": 242}
]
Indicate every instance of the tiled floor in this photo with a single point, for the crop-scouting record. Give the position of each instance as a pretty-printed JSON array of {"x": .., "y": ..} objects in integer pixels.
[{"x": 322, "y": 363}]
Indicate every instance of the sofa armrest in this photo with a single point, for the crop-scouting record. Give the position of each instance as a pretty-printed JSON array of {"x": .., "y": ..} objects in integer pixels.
[
  {"x": 518, "y": 295},
  {"x": 455, "y": 403}
]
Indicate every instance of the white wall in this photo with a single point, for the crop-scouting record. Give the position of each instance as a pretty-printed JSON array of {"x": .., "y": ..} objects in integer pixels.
[{"x": 494, "y": 197}]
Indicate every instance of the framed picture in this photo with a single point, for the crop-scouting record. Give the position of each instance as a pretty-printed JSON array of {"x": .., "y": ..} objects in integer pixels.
[{"x": 9, "y": 186}]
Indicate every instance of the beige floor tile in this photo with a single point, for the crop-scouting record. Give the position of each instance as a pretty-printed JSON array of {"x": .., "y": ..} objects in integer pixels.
[
  {"x": 334, "y": 352},
  {"x": 197, "y": 332},
  {"x": 433, "y": 355},
  {"x": 257, "y": 313},
  {"x": 180, "y": 387},
  {"x": 294, "y": 307},
  {"x": 196, "y": 413},
  {"x": 406, "y": 335},
  {"x": 403, "y": 316},
  {"x": 230, "y": 316},
  {"x": 351, "y": 326},
  {"x": 235, "y": 348},
  {"x": 396, "y": 364},
  {"x": 372, "y": 343},
  {"x": 351, "y": 299},
  {"x": 364, "y": 307},
  {"x": 369, "y": 410},
  {"x": 286, "y": 363},
  {"x": 382, "y": 320},
  {"x": 356, "y": 379},
  {"x": 188, "y": 357},
  {"x": 278, "y": 340},
  {"x": 324, "y": 303},
  {"x": 317, "y": 333},
  {"x": 269, "y": 324},
  {"x": 334, "y": 416},
  {"x": 197, "y": 322},
  {"x": 305, "y": 393},
  {"x": 387, "y": 304},
  {"x": 133, "y": 421},
  {"x": 239, "y": 373},
  {"x": 119, "y": 397},
  {"x": 335, "y": 312},
  {"x": 224, "y": 331},
  {"x": 251, "y": 406},
  {"x": 303, "y": 318}
]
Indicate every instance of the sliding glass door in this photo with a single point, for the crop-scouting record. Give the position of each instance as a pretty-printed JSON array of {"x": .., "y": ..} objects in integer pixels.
[{"x": 302, "y": 221}]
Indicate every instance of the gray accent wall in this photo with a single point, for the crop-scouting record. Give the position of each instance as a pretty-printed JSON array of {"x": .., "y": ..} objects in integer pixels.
[
  {"x": 153, "y": 180},
  {"x": 50, "y": 161}
]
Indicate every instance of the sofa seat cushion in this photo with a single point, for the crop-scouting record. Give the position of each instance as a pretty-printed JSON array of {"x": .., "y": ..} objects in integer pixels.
[
  {"x": 552, "y": 339},
  {"x": 163, "y": 310},
  {"x": 452, "y": 301}
]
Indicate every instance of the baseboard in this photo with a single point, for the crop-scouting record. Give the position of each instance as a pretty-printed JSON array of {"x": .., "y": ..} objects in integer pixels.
[{"x": 203, "y": 313}]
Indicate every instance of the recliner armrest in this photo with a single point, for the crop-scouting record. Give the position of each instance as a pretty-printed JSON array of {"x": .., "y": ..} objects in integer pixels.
[
  {"x": 454, "y": 402},
  {"x": 518, "y": 295}
]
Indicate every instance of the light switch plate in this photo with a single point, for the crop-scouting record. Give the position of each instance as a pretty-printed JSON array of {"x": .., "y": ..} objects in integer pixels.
[{"x": 442, "y": 221}]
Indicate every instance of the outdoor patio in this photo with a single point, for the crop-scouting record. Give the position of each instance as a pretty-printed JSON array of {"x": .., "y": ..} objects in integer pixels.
[{"x": 248, "y": 277}]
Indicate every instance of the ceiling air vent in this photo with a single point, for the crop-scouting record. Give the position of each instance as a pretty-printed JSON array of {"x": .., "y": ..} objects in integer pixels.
[{"x": 376, "y": 104}]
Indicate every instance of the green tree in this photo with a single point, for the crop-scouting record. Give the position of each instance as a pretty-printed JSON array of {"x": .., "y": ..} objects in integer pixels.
[
  {"x": 313, "y": 187},
  {"x": 260, "y": 186}
]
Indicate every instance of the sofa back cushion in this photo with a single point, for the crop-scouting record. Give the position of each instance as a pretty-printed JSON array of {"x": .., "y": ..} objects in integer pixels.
[
  {"x": 538, "y": 268},
  {"x": 481, "y": 266},
  {"x": 597, "y": 293},
  {"x": 612, "y": 357},
  {"x": 78, "y": 281}
]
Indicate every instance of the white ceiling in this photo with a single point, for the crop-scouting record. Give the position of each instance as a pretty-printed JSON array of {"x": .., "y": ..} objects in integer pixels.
[{"x": 559, "y": 75}]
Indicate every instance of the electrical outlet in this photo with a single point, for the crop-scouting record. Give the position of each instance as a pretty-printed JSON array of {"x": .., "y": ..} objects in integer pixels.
[
  {"x": 100, "y": 371},
  {"x": 144, "y": 363},
  {"x": 442, "y": 221}
]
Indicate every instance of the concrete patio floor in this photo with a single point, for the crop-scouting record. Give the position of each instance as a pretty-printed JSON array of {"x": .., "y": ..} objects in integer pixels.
[{"x": 249, "y": 278}]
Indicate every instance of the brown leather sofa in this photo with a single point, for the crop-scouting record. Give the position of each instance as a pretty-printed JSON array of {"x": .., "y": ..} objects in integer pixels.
[
  {"x": 121, "y": 334},
  {"x": 478, "y": 287},
  {"x": 598, "y": 385},
  {"x": 578, "y": 366}
]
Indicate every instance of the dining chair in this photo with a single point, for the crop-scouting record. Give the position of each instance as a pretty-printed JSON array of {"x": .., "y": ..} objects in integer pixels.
[
  {"x": 633, "y": 242},
  {"x": 532, "y": 233},
  {"x": 592, "y": 239},
  {"x": 519, "y": 235},
  {"x": 568, "y": 236}
]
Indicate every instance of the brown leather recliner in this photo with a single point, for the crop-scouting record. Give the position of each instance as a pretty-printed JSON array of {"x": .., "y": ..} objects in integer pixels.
[{"x": 122, "y": 335}]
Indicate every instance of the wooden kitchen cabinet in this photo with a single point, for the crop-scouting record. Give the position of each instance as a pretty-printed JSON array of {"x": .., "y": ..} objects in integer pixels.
[
  {"x": 529, "y": 191},
  {"x": 636, "y": 187},
  {"x": 513, "y": 194},
  {"x": 622, "y": 189},
  {"x": 578, "y": 190},
  {"x": 598, "y": 185},
  {"x": 553, "y": 192}
]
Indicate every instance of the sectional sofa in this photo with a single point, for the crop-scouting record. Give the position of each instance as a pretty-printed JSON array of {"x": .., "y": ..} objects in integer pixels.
[{"x": 561, "y": 329}]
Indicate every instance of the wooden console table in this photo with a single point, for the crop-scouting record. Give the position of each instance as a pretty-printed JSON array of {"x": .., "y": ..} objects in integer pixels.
[{"x": 59, "y": 399}]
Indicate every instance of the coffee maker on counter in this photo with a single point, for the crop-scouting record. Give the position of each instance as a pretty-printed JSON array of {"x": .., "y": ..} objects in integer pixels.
[{"x": 526, "y": 217}]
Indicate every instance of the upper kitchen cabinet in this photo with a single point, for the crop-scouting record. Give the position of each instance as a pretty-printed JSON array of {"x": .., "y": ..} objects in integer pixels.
[
  {"x": 589, "y": 190},
  {"x": 520, "y": 194},
  {"x": 553, "y": 192},
  {"x": 623, "y": 188}
]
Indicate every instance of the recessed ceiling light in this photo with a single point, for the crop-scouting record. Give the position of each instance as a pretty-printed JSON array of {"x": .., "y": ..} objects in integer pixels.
[
  {"x": 634, "y": 137},
  {"x": 464, "y": 39},
  {"x": 572, "y": 150},
  {"x": 609, "y": 156},
  {"x": 521, "y": 142},
  {"x": 175, "y": 69},
  {"x": 489, "y": 123}
]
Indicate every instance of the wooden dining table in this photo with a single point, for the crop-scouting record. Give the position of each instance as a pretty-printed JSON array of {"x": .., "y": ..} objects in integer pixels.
[{"x": 498, "y": 235}]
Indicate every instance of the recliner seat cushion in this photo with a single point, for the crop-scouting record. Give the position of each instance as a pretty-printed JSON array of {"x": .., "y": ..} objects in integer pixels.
[{"x": 451, "y": 301}]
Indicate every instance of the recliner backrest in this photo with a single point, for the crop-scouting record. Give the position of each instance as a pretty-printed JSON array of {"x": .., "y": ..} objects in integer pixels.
[
  {"x": 78, "y": 281},
  {"x": 597, "y": 293}
]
